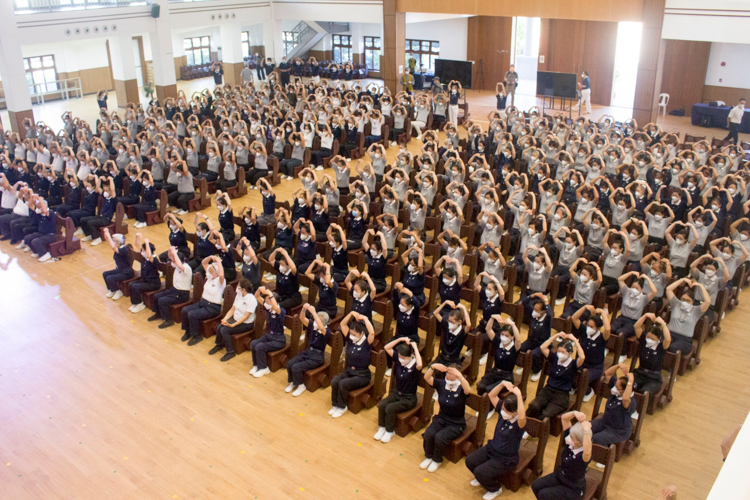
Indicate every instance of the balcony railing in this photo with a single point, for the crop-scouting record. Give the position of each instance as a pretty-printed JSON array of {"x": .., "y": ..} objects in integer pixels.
[{"x": 32, "y": 6}]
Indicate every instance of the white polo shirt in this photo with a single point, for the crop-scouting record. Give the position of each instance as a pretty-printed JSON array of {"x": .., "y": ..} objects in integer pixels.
[
  {"x": 8, "y": 199},
  {"x": 183, "y": 280},
  {"x": 213, "y": 290},
  {"x": 735, "y": 116},
  {"x": 243, "y": 305}
]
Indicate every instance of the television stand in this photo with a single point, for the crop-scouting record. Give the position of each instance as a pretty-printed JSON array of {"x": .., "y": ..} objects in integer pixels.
[{"x": 564, "y": 104}]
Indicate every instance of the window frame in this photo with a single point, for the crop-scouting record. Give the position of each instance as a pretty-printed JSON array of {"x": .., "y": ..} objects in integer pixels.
[
  {"x": 198, "y": 49},
  {"x": 290, "y": 39},
  {"x": 373, "y": 50},
  {"x": 246, "y": 42},
  {"x": 423, "y": 51},
  {"x": 341, "y": 48},
  {"x": 45, "y": 86}
]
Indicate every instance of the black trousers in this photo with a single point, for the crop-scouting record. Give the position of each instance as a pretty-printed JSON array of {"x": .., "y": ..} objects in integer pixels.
[
  {"x": 291, "y": 301},
  {"x": 255, "y": 174},
  {"x": 224, "y": 334},
  {"x": 296, "y": 367},
  {"x": 91, "y": 225},
  {"x": 345, "y": 382},
  {"x": 140, "y": 286},
  {"x": 114, "y": 277},
  {"x": 317, "y": 156},
  {"x": 162, "y": 301},
  {"x": 734, "y": 133},
  {"x": 492, "y": 379},
  {"x": 438, "y": 436},
  {"x": 180, "y": 200},
  {"x": 5, "y": 221},
  {"x": 606, "y": 436},
  {"x": 549, "y": 403},
  {"x": 488, "y": 469},
  {"x": 223, "y": 184},
  {"x": 536, "y": 354},
  {"x": 391, "y": 406},
  {"x": 193, "y": 314},
  {"x": 550, "y": 487},
  {"x": 142, "y": 208},
  {"x": 681, "y": 343},
  {"x": 646, "y": 381},
  {"x": 287, "y": 167}
]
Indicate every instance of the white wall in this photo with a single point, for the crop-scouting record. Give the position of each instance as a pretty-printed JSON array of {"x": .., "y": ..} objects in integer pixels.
[
  {"x": 736, "y": 70},
  {"x": 333, "y": 10},
  {"x": 71, "y": 56},
  {"x": 358, "y": 31},
  {"x": 715, "y": 21},
  {"x": 451, "y": 33},
  {"x": 178, "y": 38}
]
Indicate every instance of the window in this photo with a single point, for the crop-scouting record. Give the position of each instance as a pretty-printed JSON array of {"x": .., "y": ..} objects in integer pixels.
[
  {"x": 41, "y": 73},
  {"x": 424, "y": 52},
  {"x": 198, "y": 50},
  {"x": 372, "y": 52},
  {"x": 291, "y": 39},
  {"x": 342, "y": 48},
  {"x": 246, "y": 43}
]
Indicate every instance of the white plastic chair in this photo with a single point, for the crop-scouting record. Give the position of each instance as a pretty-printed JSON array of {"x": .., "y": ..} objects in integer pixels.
[{"x": 663, "y": 100}]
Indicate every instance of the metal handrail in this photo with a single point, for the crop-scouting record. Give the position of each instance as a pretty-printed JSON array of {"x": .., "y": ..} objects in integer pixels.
[
  {"x": 64, "y": 87},
  {"x": 30, "y": 6},
  {"x": 302, "y": 29}
]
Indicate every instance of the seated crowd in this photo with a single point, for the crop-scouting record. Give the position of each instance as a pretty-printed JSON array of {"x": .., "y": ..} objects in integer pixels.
[{"x": 542, "y": 248}]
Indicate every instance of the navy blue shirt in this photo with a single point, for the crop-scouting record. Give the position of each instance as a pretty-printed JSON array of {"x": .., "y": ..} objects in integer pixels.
[
  {"x": 326, "y": 294},
  {"x": 505, "y": 359},
  {"x": 376, "y": 267},
  {"x": 407, "y": 379},
  {"x": 285, "y": 238},
  {"x": 572, "y": 469},
  {"x": 340, "y": 261},
  {"x": 362, "y": 306},
  {"x": 275, "y": 325},
  {"x": 452, "y": 403},
  {"x": 47, "y": 224},
  {"x": 150, "y": 271},
  {"x": 306, "y": 250},
  {"x": 561, "y": 377},
  {"x": 321, "y": 222},
  {"x": 407, "y": 324},
  {"x": 318, "y": 341},
  {"x": 450, "y": 344},
  {"x": 616, "y": 416},
  {"x": 204, "y": 248},
  {"x": 414, "y": 282},
  {"x": 90, "y": 202},
  {"x": 356, "y": 229},
  {"x": 122, "y": 258},
  {"x": 586, "y": 84},
  {"x": 226, "y": 221},
  {"x": 541, "y": 329},
  {"x": 357, "y": 356},
  {"x": 269, "y": 205},
  {"x": 252, "y": 232},
  {"x": 489, "y": 307},
  {"x": 299, "y": 212},
  {"x": 507, "y": 438},
  {"x": 149, "y": 195},
  {"x": 593, "y": 349},
  {"x": 178, "y": 239},
  {"x": 108, "y": 208},
  {"x": 650, "y": 359},
  {"x": 449, "y": 292},
  {"x": 286, "y": 284}
]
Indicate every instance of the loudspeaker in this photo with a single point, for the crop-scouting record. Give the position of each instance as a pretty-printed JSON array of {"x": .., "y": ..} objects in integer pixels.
[{"x": 155, "y": 10}]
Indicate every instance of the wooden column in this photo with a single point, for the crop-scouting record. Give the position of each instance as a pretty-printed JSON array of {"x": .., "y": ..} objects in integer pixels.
[
  {"x": 648, "y": 80},
  {"x": 394, "y": 41}
]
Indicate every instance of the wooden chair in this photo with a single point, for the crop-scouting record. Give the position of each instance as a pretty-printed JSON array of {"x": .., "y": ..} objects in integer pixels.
[
  {"x": 427, "y": 324},
  {"x": 208, "y": 326},
  {"x": 470, "y": 364},
  {"x": 523, "y": 360},
  {"x": 125, "y": 284},
  {"x": 148, "y": 297},
  {"x": 241, "y": 341},
  {"x": 630, "y": 444},
  {"x": 278, "y": 359},
  {"x": 473, "y": 436},
  {"x": 157, "y": 216},
  {"x": 530, "y": 456},
  {"x": 240, "y": 189},
  {"x": 201, "y": 200},
  {"x": 580, "y": 384},
  {"x": 66, "y": 243},
  {"x": 663, "y": 397},
  {"x": 118, "y": 226},
  {"x": 372, "y": 393},
  {"x": 322, "y": 375},
  {"x": 273, "y": 176},
  {"x": 596, "y": 480},
  {"x": 415, "y": 419},
  {"x": 175, "y": 310}
]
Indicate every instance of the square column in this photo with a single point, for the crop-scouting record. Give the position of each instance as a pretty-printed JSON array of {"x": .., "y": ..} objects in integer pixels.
[
  {"x": 123, "y": 69},
  {"x": 165, "y": 78},
  {"x": 12, "y": 71},
  {"x": 650, "y": 64},
  {"x": 231, "y": 52},
  {"x": 394, "y": 43}
]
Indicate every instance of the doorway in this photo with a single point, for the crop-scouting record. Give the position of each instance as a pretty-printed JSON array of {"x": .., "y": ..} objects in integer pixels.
[
  {"x": 627, "y": 52},
  {"x": 525, "y": 52}
]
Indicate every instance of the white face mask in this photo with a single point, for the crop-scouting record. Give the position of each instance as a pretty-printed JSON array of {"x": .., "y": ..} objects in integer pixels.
[
  {"x": 590, "y": 332},
  {"x": 651, "y": 343},
  {"x": 505, "y": 414},
  {"x": 505, "y": 341},
  {"x": 455, "y": 328},
  {"x": 402, "y": 308},
  {"x": 411, "y": 268},
  {"x": 562, "y": 357},
  {"x": 537, "y": 315},
  {"x": 569, "y": 442},
  {"x": 537, "y": 266},
  {"x": 726, "y": 256},
  {"x": 403, "y": 361},
  {"x": 615, "y": 392},
  {"x": 584, "y": 279},
  {"x": 595, "y": 227},
  {"x": 685, "y": 305}
]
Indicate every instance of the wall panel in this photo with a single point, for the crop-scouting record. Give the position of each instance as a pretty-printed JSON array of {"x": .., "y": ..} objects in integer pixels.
[
  {"x": 730, "y": 95},
  {"x": 486, "y": 36},
  {"x": 684, "y": 72}
]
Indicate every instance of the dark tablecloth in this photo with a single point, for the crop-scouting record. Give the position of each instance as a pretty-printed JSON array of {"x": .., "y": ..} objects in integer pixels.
[{"x": 717, "y": 116}]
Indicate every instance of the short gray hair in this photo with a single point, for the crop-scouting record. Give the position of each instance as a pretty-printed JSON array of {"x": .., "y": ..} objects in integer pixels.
[
  {"x": 576, "y": 432},
  {"x": 324, "y": 317}
]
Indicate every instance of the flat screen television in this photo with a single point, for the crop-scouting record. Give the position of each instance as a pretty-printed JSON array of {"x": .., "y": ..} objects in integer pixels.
[
  {"x": 448, "y": 70},
  {"x": 552, "y": 84}
]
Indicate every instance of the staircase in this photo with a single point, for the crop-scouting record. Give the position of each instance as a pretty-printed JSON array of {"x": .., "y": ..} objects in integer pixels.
[{"x": 308, "y": 33}]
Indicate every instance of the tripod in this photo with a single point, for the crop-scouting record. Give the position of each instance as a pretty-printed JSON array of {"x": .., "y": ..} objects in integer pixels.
[{"x": 480, "y": 76}]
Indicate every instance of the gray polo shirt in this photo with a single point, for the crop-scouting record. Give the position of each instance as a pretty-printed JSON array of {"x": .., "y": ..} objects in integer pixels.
[
  {"x": 683, "y": 322},
  {"x": 613, "y": 266},
  {"x": 584, "y": 293},
  {"x": 712, "y": 284},
  {"x": 537, "y": 279},
  {"x": 492, "y": 268},
  {"x": 657, "y": 228},
  {"x": 633, "y": 302}
]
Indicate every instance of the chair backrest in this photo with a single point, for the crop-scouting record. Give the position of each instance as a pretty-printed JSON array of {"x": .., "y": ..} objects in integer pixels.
[{"x": 663, "y": 99}]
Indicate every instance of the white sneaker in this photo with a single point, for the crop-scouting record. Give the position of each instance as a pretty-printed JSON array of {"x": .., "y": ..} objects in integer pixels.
[
  {"x": 388, "y": 372},
  {"x": 253, "y": 370},
  {"x": 490, "y": 495},
  {"x": 483, "y": 360},
  {"x": 319, "y": 167},
  {"x": 435, "y": 396},
  {"x": 622, "y": 359},
  {"x": 474, "y": 483},
  {"x": 526, "y": 435},
  {"x": 387, "y": 437},
  {"x": 260, "y": 373},
  {"x": 299, "y": 390},
  {"x": 124, "y": 216},
  {"x": 519, "y": 371},
  {"x": 290, "y": 387},
  {"x": 572, "y": 392},
  {"x": 468, "y": 353},
  {"x": 379, "y": 435},
  {"x": 117, "y": 295},
  {"x": 35, "y": 255},
  {"x": 86, "y": 238},
  {"x": 535, "y": 376},
  {"x": 434, "y": 466},
  {"x": 303, "y": 289},
  {"x": 490, "y": 414},
  {"x": 425, "y": 463},
  {"x": 634, "y": 415},
  {"x": 340, "y": 412},
  {"x": 394, "y": 143},
  {"x": 599, "y": 466},
  {"x": 138, "y": 308},
  {"x": 20, "y": 246},
  {"x": 26, "y": 248},
  {"x": 44, "y": 258},
  {"x": 78, "y": 232},
  {"x": 97, "y": 241},
  {"x": 109, "y": 295},
  {"x": 560, "y": 302},
  {"x": 588, "y": 396},
  {"x": 331, "y": 411}
]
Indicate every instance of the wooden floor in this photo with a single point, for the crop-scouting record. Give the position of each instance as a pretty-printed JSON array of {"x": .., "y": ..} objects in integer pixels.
[{"x": 97, "y": 402}]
